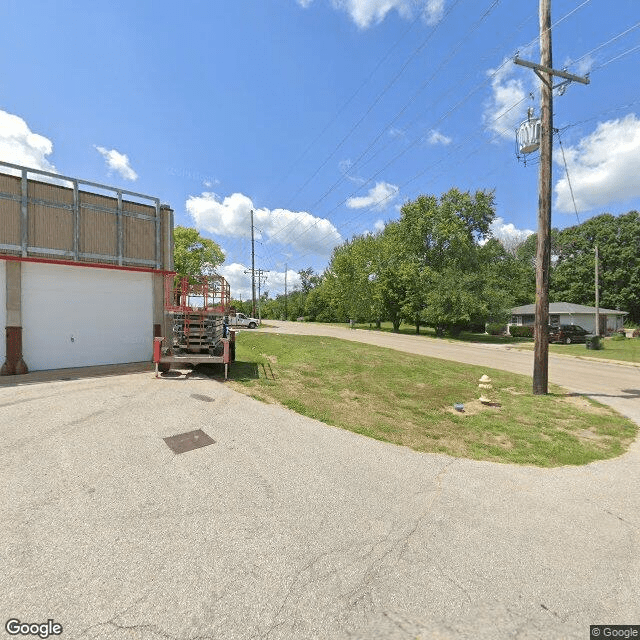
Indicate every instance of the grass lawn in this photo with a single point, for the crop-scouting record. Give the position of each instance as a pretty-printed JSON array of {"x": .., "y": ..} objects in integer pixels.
[
  {"x": 410, "y": 329},
  {"x": 627, "y": 350},
  {"x": 408, "y": 400}
]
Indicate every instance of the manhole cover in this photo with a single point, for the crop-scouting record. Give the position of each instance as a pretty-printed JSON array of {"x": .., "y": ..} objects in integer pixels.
[
  {"x": 189, "y": 441},
  {"x": 199, "y": 396}
]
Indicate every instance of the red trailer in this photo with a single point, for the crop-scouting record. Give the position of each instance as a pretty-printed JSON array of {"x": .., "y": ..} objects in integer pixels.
[{"x": 195, "y": 311}]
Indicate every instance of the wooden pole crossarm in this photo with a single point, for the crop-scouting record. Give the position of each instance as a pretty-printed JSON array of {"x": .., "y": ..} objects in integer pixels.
[{"x": 553, "y": 72}]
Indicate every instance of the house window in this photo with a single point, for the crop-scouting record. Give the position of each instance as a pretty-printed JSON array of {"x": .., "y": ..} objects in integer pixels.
[{"x": 517, "y": 320}]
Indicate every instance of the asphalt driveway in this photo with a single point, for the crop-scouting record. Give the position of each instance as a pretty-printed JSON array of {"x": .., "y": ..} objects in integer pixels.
[{"x": 288, "y": 528}]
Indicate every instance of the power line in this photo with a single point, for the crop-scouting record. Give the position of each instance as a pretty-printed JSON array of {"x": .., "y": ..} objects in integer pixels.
[
  {"x": 345, "y": 104},
  {"x": 375, "y": 102},
  {"x": 604, "y": 44},
  {"x": 566, "y": 169},
  {"x": 309, "y": 227},
  {"x": 493, "y": 4},
  {"x": 490, "y": 8},
  {"x": 604, "y": 64}
]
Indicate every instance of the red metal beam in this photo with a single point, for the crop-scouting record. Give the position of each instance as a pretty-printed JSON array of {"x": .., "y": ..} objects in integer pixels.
[{"x": 93, "y": 265}]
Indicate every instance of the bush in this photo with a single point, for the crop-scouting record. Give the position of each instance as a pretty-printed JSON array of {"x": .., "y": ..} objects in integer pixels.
[
  {"x": 636, "y": 333},
  {"x": 618, "y": 336},
  {"x": 521, "y": 332},
  {"x": 496, "y": 328}
]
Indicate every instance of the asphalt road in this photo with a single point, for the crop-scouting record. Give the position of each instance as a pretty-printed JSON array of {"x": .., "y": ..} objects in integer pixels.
[{"x": 287, "y": 528}]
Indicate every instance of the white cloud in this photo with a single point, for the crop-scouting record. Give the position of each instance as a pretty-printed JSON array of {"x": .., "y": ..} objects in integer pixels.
[
  {"x": 603, "y": 167},
  {"x": 304, "y": 3},
  {"x": 19, "y": 145},
  {"x": 435, "y": 137},
  {"x": 379, "y": 225},
  {"x": 344, "y": 166},
  {"x": 367, "y": 12},
  {"x": 275, "y": 282},
  {"x": 500, "y": 114},
  {"x": 240, "y": 282},
  {"x": 379, "y": 197},
  {"x": 507, "y": 233},
  {"x": 582, "y": 66},
  {"x": 231, "y": 217},
  {"x": 434, "y": 11},
  {"x": 117, "y": 162}
]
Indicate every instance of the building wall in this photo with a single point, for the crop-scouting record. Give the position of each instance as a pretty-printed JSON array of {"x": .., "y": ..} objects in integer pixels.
[
  {"x": 3, "y": 311},
  {"x": 78, "y": 316},
  {"x": 586, "y": 321},
  {"x": 55, "y": 311}
]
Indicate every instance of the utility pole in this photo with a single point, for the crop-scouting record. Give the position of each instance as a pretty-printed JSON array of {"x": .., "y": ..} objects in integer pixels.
[
  {"x": 597, "y": 297},
  {"x": 545, "y": 72},
  {"x": 260, "y": 276},
  {"x": 253, "y": 270},
  {"x": 285, "y": 292},
  {"x": 543, "y": 255}
]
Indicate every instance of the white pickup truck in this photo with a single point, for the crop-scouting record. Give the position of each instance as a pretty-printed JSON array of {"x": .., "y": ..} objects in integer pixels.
[{"x": 240, "y": 320}]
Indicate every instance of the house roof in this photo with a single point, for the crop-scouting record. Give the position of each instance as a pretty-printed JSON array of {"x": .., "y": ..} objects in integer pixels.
[{"x": 566, "y": 307}]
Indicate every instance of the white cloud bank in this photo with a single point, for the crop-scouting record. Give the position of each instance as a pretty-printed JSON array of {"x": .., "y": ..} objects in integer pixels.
[
  {"x": 117, "y": 162},
  {"x": 367, "y": 12},
  {"x": 231, "y": 217},
  {"x": 507, "y": 233},
  {"x": 19, "y": 145},
  {"x": 379, "y": 197},
  {"x": 603, "y": 167}
]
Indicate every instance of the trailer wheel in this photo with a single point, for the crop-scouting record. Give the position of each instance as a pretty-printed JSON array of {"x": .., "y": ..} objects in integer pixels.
[{"x": 164, "y": 366}]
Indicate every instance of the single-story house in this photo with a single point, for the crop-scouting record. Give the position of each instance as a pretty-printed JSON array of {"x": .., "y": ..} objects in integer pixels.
[{"x": 611, "y": 320}]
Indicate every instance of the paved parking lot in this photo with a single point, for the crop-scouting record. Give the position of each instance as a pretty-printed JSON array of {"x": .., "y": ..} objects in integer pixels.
[{"x": 287, "y": 528}]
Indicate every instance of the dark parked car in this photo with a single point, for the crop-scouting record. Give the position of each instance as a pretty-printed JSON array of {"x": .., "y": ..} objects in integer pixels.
[{"x": 568, "y": 333}]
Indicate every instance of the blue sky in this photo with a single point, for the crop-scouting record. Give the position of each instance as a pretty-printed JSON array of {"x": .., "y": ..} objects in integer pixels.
[{"x": 324, "y": 116}]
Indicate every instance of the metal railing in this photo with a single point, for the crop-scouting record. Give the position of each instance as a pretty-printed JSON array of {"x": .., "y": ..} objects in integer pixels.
[{"x": 26, "y": 249}]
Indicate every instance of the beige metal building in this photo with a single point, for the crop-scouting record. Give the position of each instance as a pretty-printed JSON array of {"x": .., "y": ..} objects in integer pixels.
[{"x": 81, "y": 271}]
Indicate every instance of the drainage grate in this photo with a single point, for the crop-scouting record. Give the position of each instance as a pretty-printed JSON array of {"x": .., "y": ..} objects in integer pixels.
[{"x": 189, "y": 441}]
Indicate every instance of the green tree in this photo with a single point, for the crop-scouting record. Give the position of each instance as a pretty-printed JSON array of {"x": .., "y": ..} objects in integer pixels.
[
  {"x": 194, "y": 255},
  {"x": 573, "y": 275},
  {"x": 350, "y": 279},
  {"x": 449, "y": 278}
]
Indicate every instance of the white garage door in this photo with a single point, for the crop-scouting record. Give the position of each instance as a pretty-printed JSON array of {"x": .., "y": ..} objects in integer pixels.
[
  {"x": 3, "y": 311},
  {"x": 79, "y": 316}
]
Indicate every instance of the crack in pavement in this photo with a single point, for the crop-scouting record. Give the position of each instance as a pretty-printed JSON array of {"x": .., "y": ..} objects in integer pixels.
[
  {"x": 362, "y": 589},
  {"x": 155, "y": 629}
]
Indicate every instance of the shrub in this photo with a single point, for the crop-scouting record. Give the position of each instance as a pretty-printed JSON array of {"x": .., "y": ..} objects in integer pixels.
[
  {"x": 521, "y": 332},
  {"x": 636, "y": 333},
  {"x": 618, "y": 336},
  {"x": 496, "y": 328}
]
